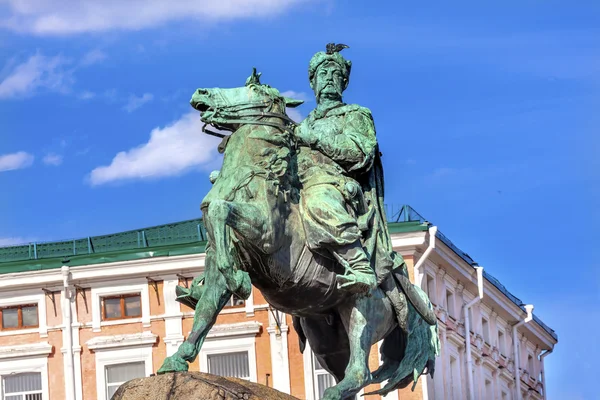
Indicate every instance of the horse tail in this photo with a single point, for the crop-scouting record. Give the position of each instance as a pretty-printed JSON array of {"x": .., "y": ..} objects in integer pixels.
[
  {"x": 420, "y": 306},
  {"x": 419, "y": 348}
]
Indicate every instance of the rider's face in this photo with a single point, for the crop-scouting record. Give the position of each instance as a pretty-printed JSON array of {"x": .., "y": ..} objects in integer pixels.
[{"x": 329, "y": 82}]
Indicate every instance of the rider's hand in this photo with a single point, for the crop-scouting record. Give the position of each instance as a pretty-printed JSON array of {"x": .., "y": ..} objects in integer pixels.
[{"x": 303, "y": 135}]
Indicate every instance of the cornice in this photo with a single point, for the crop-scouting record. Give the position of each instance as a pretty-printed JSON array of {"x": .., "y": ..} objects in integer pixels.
[
  {"x": 250, "y": 328},
  {"x": 26, "y": 350},
  {"x": 128, "y": 340}
]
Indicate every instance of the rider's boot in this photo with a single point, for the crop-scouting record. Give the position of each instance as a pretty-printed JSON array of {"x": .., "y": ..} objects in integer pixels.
[{"x": 359, "y": 276}]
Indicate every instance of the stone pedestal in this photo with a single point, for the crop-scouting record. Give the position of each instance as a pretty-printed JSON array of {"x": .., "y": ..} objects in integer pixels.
[{"x": 195, "y": 386}]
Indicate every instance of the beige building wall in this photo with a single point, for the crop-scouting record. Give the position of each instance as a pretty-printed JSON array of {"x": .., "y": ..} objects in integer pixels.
[{"x": 273, "y": 352}]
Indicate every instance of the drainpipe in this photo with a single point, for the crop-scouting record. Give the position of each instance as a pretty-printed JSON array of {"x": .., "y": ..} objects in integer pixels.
[
  {"x": 542, "y": 356},
  {"x": 529, "y": 317},
  {"x": 68, "y": 336},
  {"x": 432, "y": 233},
  {"x": 468, "y": 331}
]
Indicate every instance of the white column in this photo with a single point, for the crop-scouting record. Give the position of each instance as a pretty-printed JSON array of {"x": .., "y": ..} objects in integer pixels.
[
  {"x": 76, "y": 326},
  {"x": 280, "y": 362},
  {"x": 173, "y": 315},
  {"x": 66, "y": 299},
  {"x": 249, "y": 304}
]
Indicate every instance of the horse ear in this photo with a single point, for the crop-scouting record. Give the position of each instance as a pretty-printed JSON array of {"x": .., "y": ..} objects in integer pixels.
[
  {"x": 292, "y": 103},
  {"x": 253, "y": 79}
]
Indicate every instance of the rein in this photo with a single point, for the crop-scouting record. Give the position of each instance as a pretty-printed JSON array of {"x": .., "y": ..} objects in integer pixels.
[{"x": 232, "y": 110}]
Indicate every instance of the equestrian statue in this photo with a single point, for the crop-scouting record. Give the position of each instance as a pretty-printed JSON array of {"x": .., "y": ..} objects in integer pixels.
[{"x": 297, "y": 211}]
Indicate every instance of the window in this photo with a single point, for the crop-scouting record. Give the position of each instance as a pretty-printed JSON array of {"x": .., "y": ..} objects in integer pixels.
[
  {"x": 454, "y": 379},
  {"x": 450, "y": 303},
  {"x": 227, "y": 355},
  {"x": 429, "y": 288},
  {"x": 123, "y": 306},
  {"x": 501, "y": 342},
  {"x": 489, "y": 393},
  {"x": 235, "y": 301},
  {"x": 118, "y": 374},
  {"x": 323, "y": 378},
  {"x": 485, "y": 330},
  {"x": 27, "y": 386},
  {"x": 19, "y": 317},
  {"x": 530, "y": 365},
  {"x": 235, "y": 364}
]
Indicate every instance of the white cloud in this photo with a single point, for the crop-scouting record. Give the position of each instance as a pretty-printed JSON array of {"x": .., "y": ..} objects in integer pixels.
[
  {"x": 37, "y": 72},
  {"x": 171, "y": 150},
  {"x": 53, "y": 159},
  {"x": 296, "y": 95},
  {"x": 48, "y": 17},
  {"x": 136, "y": 102},
  {"x": 93, "y": 57},
  {"x": 294, "y": 114},
  {"x": 19, "y": 160},
  {"x": 87, "y": 95}
]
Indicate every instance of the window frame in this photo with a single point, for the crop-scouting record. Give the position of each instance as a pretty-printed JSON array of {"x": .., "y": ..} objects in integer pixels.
[
  {"x": 450, "y": 305},
  {"x": 311, "y": 384},
  {"x": 209, "y": 355},
  {"x": 225, "y": 345},
  {"x": 123, "y": 355},
  {"x": 502, "y": 347},
  {"x": 318, "y": 372},
  {"x": 427, "y": 279},
  {"x": 27, "y": 364},
  {"x": 98, "y": 291},
  {"x": 106, "y": 366},
  {"x": 122, "y": 298},
  {"x": 20, "y": 325},
  {"x": 531, "y": 364},
  {"x": 22, "y": 394},
  {"x": 454, "y": 375},
  {"x": 231, "y": 303},
  {"x": 485, "y": 329},
  {"x": 15, "y": 298}
]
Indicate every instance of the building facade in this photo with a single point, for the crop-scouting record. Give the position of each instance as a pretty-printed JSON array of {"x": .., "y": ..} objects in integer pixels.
[{"x": 81, "y": 317}]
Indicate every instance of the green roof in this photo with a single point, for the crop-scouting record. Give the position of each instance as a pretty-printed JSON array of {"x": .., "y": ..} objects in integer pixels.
[{"x": 183, "y": 237}]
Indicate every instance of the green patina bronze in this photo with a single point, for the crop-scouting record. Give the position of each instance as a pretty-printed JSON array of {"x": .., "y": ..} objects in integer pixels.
[{"x": 297, "y": 211}]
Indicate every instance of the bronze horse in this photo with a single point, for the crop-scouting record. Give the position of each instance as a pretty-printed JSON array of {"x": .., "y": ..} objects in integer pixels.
[{"x": 255, "y": 236}]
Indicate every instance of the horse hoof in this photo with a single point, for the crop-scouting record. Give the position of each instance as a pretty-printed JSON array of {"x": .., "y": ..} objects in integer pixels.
[
  {"x": 173, "y": 364},
  {"x": 332, "y": 394}
]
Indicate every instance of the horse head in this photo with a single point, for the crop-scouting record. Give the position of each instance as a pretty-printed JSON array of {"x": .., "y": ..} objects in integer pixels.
[{"x": 227, "y": 109}]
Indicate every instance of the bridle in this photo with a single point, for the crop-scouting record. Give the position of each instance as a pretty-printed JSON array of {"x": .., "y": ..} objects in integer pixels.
[{"x": 231, "y": 111}]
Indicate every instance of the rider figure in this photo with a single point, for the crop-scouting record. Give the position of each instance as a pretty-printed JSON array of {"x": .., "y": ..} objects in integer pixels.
[{"x": 336, "y": 159}]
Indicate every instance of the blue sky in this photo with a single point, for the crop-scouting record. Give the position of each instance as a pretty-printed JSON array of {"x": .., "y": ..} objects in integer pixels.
[{"x": 486, "y": 112}]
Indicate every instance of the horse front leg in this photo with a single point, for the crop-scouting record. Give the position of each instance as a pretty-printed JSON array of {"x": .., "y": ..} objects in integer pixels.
[
  {"x": 215, "y": 296},
  {"x": 248, "y": 221}
]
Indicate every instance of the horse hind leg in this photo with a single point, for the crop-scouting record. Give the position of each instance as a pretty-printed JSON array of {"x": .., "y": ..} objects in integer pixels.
[{"x": 357, "y": 374}]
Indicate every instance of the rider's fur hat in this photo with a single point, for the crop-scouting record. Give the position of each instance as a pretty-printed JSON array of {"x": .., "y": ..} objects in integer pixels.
[{"x": 332, "y": 54}]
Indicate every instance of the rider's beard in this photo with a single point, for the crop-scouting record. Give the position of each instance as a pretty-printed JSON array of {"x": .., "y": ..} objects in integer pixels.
[{"x": 336, "y": 94}]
